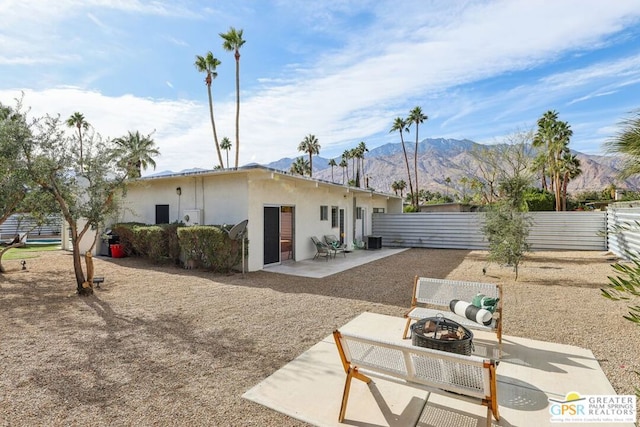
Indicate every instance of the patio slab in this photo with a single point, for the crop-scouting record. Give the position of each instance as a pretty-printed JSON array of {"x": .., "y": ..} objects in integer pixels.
[
  {"x": 319, "y": 268},
  {"x": 309, "y": 388}
]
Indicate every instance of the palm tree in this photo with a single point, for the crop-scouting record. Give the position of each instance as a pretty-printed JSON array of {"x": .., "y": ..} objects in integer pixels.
[
  {"x": 361, "y": 150},
  {"x": 627, "y": 143},
  {"x": 394, "y": 187},
  {"x": 333, "y": 164},
  {"x": 344, "y": 165},
  {"x": 233, "y": 42},
  {"x": 401, "y": 186},
  {"x": 416, "y": 116},
  {"x": 553, "y": 137},
  {"x": 401, "y": 125},
  {"x": 570, "y": 169},
  {"x": 539, "y": 164},
  {"x": 225, "y": 144},
  {"x": 208, "y": 64},
  {"x": 300, "y": 166},
  {"x": 346, "y": 155},
  {"x": 354, "y": 154},
  {"x": 137, "y": 152},
  {"x": 447, "y": 182},
  {"x": 78, "y": 121},
  {"x": 310, "y": 145}
]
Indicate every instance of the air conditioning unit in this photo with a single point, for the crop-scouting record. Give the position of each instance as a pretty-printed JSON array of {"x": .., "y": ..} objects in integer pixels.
[{"x": 192, "y": 217}]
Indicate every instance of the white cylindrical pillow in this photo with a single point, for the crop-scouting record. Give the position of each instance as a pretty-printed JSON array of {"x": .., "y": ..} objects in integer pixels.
[{"x": 471, "y": 312}]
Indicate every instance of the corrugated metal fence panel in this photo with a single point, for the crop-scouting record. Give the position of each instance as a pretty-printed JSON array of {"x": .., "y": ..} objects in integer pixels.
[
  {"x": 619, "y": 241},
  {"x": 19, "y": 223},
  {"x": 582, "y": 231},
  {"x": 446, "y": 230},
  {"x": 463, "y": 230}
]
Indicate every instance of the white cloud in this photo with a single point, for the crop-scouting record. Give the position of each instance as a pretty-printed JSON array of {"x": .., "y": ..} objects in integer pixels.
[
  {"x": 182, "y": 130},
  {"x": 422, "y": 53}
]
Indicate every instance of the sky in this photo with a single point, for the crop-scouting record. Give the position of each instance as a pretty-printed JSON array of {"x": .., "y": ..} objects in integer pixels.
[{"x": 341, "y": 70}]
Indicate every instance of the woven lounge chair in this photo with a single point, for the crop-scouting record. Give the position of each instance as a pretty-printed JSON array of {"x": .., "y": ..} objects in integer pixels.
[
  {"x": 333, "y": 241},
  {"x": 322, "y": 249}
]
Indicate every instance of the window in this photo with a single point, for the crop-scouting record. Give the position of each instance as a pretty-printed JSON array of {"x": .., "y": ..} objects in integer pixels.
[
  {"x": 358, "y": 213},
  {"x": 378, "y": 210},
  {"x": 334, "y": 216},
  {"x": 324, "y": 213}
]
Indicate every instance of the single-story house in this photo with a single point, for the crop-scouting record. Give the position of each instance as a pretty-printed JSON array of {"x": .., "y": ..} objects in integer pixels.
[{"x": 283, "y": 210}]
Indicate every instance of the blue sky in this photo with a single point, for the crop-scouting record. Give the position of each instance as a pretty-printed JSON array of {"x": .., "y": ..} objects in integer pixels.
[{"x": 339, "y": 69}]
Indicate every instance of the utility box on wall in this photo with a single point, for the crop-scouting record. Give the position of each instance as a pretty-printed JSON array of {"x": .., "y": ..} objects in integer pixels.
[{"x": 192, "y": 217}]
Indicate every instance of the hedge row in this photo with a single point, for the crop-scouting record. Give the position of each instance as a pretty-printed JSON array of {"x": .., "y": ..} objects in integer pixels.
[{"x": 196, "y": 247}]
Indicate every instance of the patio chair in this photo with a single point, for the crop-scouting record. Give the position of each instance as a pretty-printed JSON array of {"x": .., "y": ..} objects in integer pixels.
[
  {"x": 333, "y": 241},
  {"x": 322, "y": 249}
]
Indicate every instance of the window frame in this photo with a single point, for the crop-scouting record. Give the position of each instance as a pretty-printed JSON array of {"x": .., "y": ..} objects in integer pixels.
[{"x": 324, "y": 213}]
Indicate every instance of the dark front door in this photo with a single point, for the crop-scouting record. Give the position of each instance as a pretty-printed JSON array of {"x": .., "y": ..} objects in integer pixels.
[
  {"x": 162, "y": 214},
  {"x": 271, "y": 234},
  {"x": 341, "y": 226}
]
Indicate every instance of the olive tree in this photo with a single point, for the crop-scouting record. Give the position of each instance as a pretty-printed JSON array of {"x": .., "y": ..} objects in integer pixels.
[
  {"x": 506, "y": 224},
  {"x": 17, "y": 193},
  {"x": 87, "y": 192}
]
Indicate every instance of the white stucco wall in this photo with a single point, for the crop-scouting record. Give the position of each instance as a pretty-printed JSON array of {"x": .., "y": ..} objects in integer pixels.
[
  {"x": 229, "y": 197},
  {"x": 306, "y": 197},
  {"x": 88, "y": 240}
]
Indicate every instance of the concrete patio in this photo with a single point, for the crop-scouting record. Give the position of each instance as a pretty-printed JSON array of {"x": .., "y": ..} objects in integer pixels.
[
  {"x": 309, "y": 388},
  {"x": 323, "y": 267}
]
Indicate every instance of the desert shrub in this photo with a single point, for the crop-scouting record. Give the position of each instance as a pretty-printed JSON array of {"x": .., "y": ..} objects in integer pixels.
[
  {"x": 159, "y": 243},
  {"x": 209, "y": 247},
  {"x": 172, "y": 241},
  {"x": 126, "y": 233},
  {"x": 151, "y": 242}
]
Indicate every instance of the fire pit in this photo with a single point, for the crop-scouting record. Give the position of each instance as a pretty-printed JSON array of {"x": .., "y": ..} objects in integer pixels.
[{"x": 442, "y": 334}]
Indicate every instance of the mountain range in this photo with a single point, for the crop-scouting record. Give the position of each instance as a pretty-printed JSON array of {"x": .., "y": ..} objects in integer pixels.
[{"x": 440, "y": 158}]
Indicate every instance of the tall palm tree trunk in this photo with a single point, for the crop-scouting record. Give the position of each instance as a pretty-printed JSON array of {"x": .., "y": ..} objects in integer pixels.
[
  {"x": 415, "y": 167},
  {"x": 406, "y": 161},
  {"x": 237, "y": 108},
  {"x": 213, "y": 125},
  {"x": 565, "y": 181},
  {"x": 558, "y": 191}
]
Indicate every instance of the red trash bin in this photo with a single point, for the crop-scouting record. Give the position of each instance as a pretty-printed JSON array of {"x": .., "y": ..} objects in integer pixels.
[{"x": 117, "y": 251}]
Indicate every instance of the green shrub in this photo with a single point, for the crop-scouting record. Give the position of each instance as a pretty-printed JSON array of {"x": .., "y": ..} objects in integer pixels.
[
  {"x": 125, "y": 231},
  {"x": 172, "y": 242},
  {"x": 209, "y": 247},
  {"x": 539, "y": 200},
  {"x": 159, "y": 243},
  {"x": 200, "y": 246},
  {"x": 151, "y": 242},
  {"x": 507, "y": 230}
]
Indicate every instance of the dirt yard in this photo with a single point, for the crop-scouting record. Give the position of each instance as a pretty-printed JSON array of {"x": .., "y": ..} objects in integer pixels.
[{"x": 165, "y": 346}]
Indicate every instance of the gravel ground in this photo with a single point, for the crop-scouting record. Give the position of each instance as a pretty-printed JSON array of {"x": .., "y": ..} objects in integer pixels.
[{"x": 163, "y": 346}]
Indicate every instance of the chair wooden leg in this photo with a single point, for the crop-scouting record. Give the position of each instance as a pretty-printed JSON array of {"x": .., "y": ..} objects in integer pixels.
[
  {"x": 345, "y": 395},
  {"x": 406, "y": 328}
]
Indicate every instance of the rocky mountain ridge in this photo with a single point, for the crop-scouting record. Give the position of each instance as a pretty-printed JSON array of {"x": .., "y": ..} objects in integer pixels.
[{"x": 441, "y": 158}]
